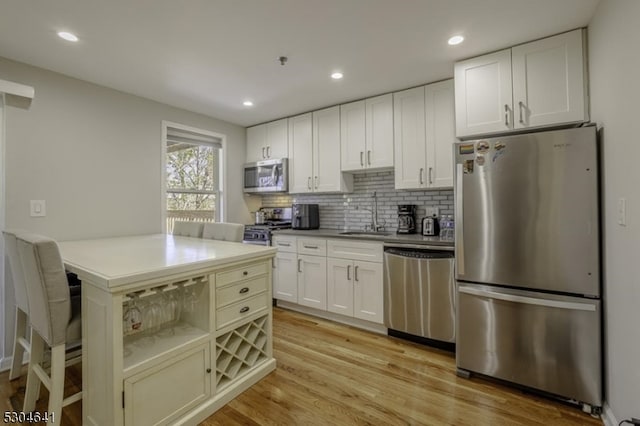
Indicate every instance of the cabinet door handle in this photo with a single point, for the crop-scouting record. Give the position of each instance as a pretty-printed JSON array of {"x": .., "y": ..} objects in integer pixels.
[
  {"x": 355, "y": 273},
  {"x": 299, "y": 265},
  {"x": 369, "y": 157},
  {"x": 520, "y": 107},
  {"x": 244, "y": 290},
  {"x": 348, "y": 272},
  {"x": 244, "y": 309},
  {"x": 245, "y": 273},
  {"x": 316, "y": 182},
  {"x": 263, "y": 156},
  {"x": 208, "y": 370},
  {"x": 309, "y": 182},
  {"x": 361, "y": 158},
  {"x": 430, "y": 173},
  {"x": 506, "y": 115},
  {"x": 268, "y": 151},
  {"x": 421, "y": 176}
]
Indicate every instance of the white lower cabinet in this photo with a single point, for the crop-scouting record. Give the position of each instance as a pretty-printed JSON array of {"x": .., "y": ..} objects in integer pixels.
[
  {"x": 150, "y": 397},
  {"x": 312, "y": 281},
  {"x": 340, "y": 286},
  {"x": 285, "y": 277},
  {"x": 354, "y": 287},
  {"x": 336, "y": 275}
]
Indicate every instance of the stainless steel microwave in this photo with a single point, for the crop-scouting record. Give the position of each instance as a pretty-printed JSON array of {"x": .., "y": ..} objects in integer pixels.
[{"x": 267, "y": 176}]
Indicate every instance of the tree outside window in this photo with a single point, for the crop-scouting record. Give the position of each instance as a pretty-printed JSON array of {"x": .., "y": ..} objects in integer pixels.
[{"x": 192, "y": 181}]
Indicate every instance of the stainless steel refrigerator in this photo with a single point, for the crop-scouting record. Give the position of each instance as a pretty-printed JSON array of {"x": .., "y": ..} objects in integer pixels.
[{"x": 528, "y": 262}]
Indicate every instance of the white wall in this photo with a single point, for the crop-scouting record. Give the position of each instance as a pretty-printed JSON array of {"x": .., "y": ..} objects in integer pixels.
[
  {"x": 614, "y": 61},
  {"x": 94, "y": 155}
]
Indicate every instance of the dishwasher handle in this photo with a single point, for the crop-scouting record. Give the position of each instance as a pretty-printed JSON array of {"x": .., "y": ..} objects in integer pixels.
[{"x": 419, "y": 253}]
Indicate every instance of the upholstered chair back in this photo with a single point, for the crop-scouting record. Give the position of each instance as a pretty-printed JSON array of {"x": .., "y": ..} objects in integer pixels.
[
  {"x": 224, "y": 231},
  {"x": 47, "y": 287},
  {"x": 188, "y": 229}
]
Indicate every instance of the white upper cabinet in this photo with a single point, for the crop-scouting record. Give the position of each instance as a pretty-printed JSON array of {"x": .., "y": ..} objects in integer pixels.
[
  {"x": 549, "y": 81},
  {"x": 314, "y": 147},
  {"x": 483, "y": 94},
  {"x": 268, "y": 141},
  {"x": 410, "y": 138},
  {"x": 424, "y": 136},
  {"x": 537, "y": 84},
  {"x": 440, "y": 125},
  {"x": 367, "y": 134},
  {"x": 300, "y": 153}
]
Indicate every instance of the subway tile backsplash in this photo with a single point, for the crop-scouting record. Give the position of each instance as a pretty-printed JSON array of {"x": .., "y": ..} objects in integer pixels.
[{"x": 353, "y": 211}]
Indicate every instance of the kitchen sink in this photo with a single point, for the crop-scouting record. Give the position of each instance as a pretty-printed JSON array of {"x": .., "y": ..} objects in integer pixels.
[{"x": 367, "y": 233}]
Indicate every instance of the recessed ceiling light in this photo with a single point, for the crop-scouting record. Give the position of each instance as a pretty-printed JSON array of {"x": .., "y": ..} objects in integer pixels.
[
  {"x": 456, "y": 40},
  {"x": 336, "y": 75},
  {"x": 67, "y": 36},
  {"x": 247, "y": 103}
]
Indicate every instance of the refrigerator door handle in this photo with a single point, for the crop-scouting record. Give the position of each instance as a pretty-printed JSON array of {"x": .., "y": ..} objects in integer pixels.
[
  {"x": 459, "y": 223},
  {"x": 528, "y": 300}
]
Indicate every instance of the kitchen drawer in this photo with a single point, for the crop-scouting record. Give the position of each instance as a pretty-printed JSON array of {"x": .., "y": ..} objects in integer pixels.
[
  {"x": 236, "y": 311},
  {"x": 355, "y": 250},
  {"x": 240, "y": 291},
  {"x": 312, "y": 246},
  {"x": 286, "y": 243},
  {"x": 242, "y": 272}
]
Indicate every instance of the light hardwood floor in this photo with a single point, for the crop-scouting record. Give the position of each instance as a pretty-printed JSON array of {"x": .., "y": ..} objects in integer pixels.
[{"x": 329, "y": 373}]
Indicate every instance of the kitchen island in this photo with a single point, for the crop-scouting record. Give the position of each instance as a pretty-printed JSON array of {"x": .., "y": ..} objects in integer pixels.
[{"x": 197, "y": 330}]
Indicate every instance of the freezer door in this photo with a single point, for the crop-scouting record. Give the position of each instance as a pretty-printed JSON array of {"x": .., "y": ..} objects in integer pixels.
[
  {"x": 527, "y": 211},
  {"x": 547, "y": 342}
]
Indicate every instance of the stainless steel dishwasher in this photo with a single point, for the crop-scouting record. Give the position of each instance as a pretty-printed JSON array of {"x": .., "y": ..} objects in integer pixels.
[{"x": 419, "y": 291}]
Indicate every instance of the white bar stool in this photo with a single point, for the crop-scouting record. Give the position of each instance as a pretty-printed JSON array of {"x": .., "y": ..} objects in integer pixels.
[{"x": 54, "y": 318}]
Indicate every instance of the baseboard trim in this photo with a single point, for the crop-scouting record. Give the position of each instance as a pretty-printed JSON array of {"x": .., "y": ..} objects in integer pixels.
[
  {"x": 608, "y": 418},
  {"x": 354, "y": 322},
  {"x": 5, "y": 363}
]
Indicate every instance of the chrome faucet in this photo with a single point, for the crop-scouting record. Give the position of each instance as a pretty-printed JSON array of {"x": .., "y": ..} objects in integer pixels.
[{"x": 375, "y": 226}]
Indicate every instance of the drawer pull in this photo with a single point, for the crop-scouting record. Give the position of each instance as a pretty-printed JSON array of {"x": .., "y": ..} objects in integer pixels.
[
  {"x": 311, "y": 247},
  {"x": 208, "y": 370},
  {"x": 245, "y": 273},
  {"x": 244, "y": 290},
  {"x": 244, "y": 309},
  {"x": 284, "y": 244}
]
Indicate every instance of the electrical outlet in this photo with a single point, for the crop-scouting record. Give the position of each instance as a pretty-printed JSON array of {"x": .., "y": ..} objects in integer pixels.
[{"x": 431, "y": 211}]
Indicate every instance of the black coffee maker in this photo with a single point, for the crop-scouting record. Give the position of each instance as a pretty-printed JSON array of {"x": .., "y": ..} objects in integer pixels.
[{"x": 406, "y": 219}]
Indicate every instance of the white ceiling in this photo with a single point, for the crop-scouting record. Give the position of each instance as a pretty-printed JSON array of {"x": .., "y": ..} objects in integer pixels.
[{"x": 208, "y": 56}]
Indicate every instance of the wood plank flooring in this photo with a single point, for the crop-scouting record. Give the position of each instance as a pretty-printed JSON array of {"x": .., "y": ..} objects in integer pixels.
[{"x": 329, "y": 373}]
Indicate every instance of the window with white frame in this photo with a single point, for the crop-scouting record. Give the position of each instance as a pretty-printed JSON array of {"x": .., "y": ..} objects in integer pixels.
[{"x": 193, "y": 175}]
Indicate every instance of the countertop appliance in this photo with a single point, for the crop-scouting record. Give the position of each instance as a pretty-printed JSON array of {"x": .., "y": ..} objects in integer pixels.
[
  {"x": 266, "y": 176},
  {"x": 305, "y": 216},
  {"x": 406, "y": 219},
  {"x": 528, "y": 262},
  {"x": 430, "y": 226},
  {"x": 419, "y": 291},
  {"x": 261, "y": 233}
]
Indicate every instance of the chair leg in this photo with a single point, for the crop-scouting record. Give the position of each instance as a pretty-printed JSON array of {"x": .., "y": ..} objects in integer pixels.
[
  {"x": 56, "y": 393},
  {"x": 18, "y": 349},
  {"x": 33, "y": 381}
]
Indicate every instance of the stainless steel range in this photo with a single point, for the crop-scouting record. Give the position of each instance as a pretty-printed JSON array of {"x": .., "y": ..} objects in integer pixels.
[{"x": 274, "y": 218}]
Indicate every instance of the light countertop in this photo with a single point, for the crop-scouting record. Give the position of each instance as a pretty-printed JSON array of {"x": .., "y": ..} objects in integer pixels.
[
  {"x": 391, "y": 238},
  {"x": 113, "y": 262}
]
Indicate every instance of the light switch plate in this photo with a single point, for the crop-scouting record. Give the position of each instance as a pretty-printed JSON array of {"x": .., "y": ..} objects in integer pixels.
[
  {"x": 622, "y": 211},
  {"x": 38, "y": 208}
]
